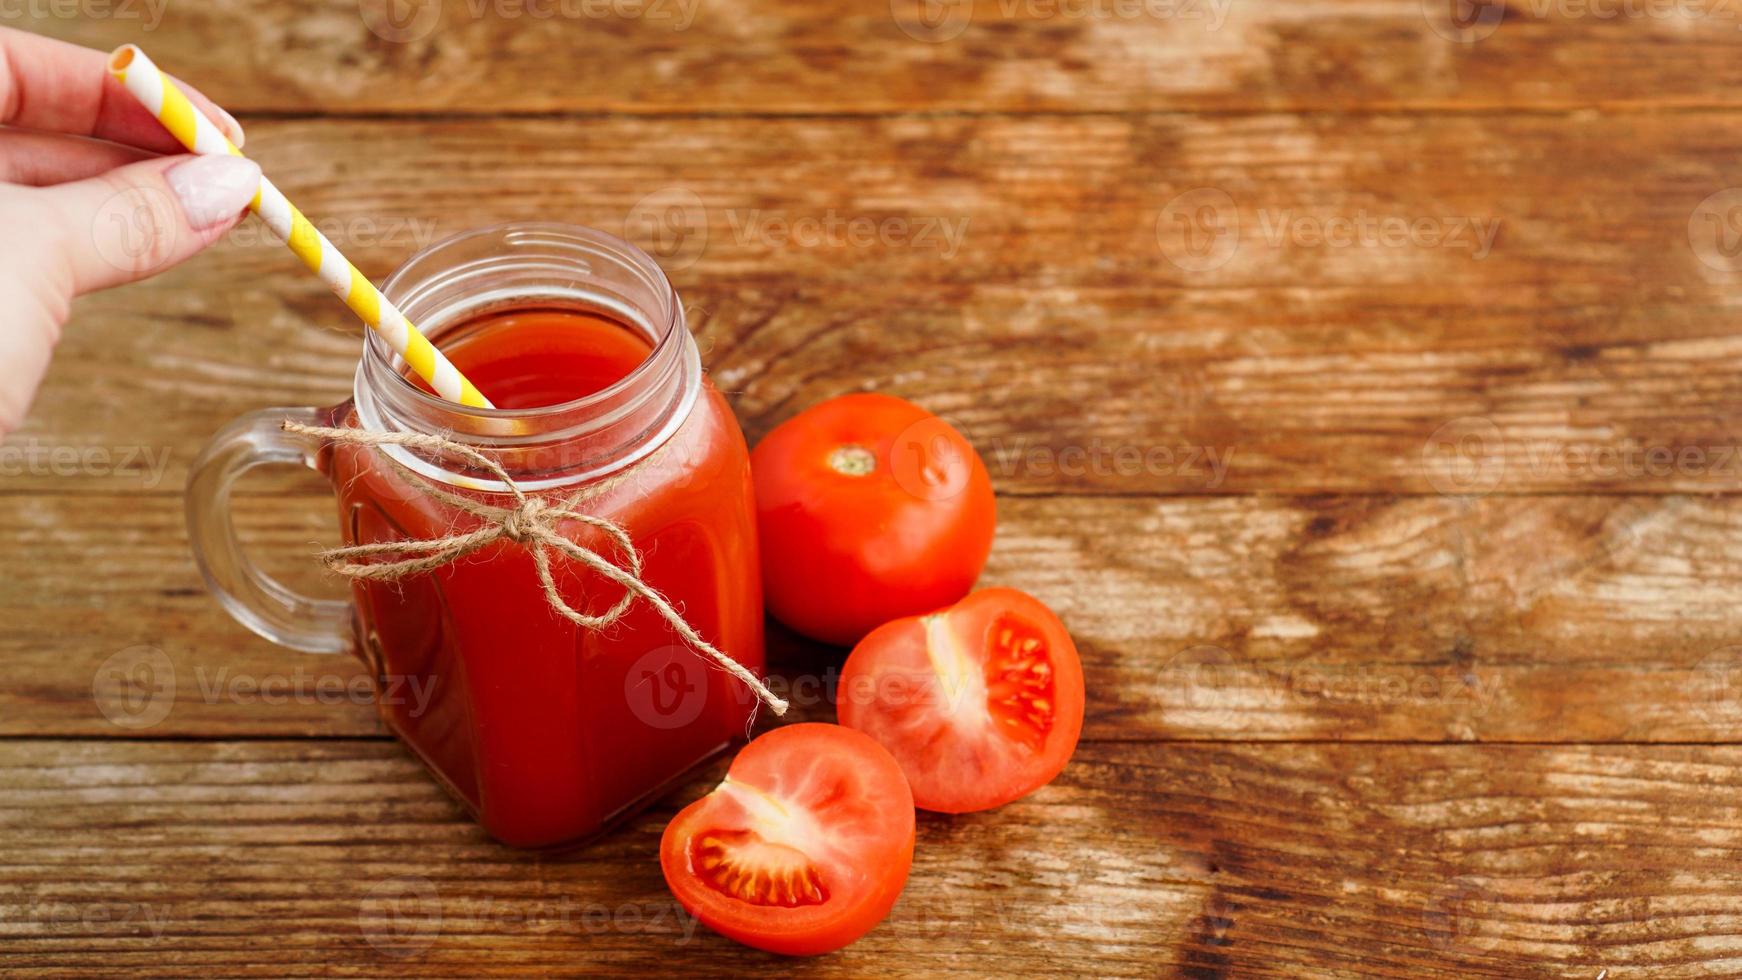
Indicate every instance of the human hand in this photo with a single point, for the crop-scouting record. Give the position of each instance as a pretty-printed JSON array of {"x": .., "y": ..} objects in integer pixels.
[{"x": 87, "y": 198}]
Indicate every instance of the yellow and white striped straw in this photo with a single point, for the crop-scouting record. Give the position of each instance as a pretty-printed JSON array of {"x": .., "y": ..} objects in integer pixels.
[{"x": 170, "y": 105}]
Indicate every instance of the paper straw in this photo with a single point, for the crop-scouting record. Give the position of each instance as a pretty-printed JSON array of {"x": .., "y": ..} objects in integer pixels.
[{"x": 170, "y": 105}]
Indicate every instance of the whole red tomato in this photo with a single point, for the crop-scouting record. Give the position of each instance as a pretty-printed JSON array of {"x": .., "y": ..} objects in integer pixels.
[{"x": 870, "y": 508}]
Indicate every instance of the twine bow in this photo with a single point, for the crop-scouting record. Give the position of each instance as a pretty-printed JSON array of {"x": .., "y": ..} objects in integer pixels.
[{"x": 533, "y": 524}]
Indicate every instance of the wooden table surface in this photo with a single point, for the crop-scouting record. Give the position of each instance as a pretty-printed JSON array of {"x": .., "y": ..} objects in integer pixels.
[{"x": 1358, "y": 378}]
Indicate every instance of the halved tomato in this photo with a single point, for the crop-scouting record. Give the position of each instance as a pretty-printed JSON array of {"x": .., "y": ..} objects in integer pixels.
[
  {"x": 981, "y": 703},
  {"x": 802, "y": 848}
]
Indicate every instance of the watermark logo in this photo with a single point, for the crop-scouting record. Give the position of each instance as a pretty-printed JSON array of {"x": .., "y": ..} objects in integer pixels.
[
  {"x": 1199, "y": 230},
  {"x": 931, "y": 460},
  {"x": 1458, "y": 913},
  {"x": 1201, "y": 676},
  {"x": 1465, "y": 457},
  {"x": 1365, "y": 229},
  {"x": 670, "y": 223},
  {"x": 137, "y": 230},
  {"x": 932, "y": 21},
  {"x": 400, "y": 21},
  {"x": 667, "y": 687},
  {"x": 401, "y": 916},
  {"x": 1715, "y": 230},
  {"x": 135, "y": 688},
  {"x": 1464, "y": 21},
  {"x": 1717, "y": 687}
]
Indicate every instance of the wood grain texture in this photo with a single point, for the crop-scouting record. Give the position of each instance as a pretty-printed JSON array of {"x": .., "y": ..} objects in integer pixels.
[
  {"x": 1591, "y": 350},
  {"x": 1543, "y": 619},
  {"x": 1353, "y": 381},
  {"x": 840, "y": 56},
  {"x": 342, "y": 858}
]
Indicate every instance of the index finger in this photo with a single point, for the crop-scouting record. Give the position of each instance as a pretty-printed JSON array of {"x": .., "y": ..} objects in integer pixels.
[{"x": 59, "y": 87}]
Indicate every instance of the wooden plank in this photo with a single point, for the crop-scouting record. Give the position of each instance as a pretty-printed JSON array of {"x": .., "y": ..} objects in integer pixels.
[
  {"x": 1589, "y": 351},
  {"x": 663, "y": 56},
  {"x": 1286, "y": 860},
  {"x": 1544, "y": 619}
]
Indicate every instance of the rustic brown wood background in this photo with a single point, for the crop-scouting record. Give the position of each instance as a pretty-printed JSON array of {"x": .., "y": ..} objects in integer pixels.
[{"x": 1405, "y": 569}]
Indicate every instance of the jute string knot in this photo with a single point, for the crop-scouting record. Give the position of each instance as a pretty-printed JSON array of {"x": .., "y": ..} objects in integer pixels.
[
  {"x": 533, "y": 523},
  {"x": 519, "y": 524}
]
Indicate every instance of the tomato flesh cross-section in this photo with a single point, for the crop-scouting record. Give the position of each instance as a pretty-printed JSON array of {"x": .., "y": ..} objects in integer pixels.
[
  {"x": 741, "y": 864},
  {"x": 1019, "y": 682},
  {"x": 802, "y": 848},
  {"x": 981, "y": 703}
]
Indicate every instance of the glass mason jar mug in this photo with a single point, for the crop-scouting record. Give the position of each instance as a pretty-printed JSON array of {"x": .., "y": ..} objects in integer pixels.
[{"x": 548, "y": 731}]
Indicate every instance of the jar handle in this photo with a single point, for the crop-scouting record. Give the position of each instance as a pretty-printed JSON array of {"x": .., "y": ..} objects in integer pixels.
[{"x": 249, "y": 595}]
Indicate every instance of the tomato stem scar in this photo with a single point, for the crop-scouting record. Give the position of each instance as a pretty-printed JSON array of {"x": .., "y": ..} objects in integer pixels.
[{"x": 852, "y": 460}]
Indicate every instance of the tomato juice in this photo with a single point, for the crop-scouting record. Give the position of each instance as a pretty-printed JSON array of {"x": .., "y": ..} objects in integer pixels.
[{"x": 548, "y": 731}]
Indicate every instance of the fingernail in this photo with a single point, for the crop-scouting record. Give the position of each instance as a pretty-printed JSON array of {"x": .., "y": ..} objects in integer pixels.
[{"x": 212, "y": 189}]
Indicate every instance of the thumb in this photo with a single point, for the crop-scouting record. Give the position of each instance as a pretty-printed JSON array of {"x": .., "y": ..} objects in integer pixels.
[{"x": 138, "y": 220}]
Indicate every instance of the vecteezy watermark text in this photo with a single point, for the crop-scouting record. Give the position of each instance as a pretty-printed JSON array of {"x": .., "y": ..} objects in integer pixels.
[
  {"x": 399, "y": 233},
  {"x": 149, "y": 13},
  {"x": 937, "y": 21},
  {"x": 1470, "y": 21},
  {"x": 1212, "y": 14},
  {"x": 566, "y": 915},
  {"x": 1474, "y": 455},
  {"x": 834, "y": 230},
  {"x": 91, "y": 918},
  {"x": 1201, "y": 229},
  {"x": 30, "y": 457},
  {"x": 403, "y": 916},
  {"x": 406, "y": 21},
  {"x": 1206, "y": 466},
  {"x": 302, "y": 687},
  {"x": 676, "y": 14},
  {"x": 1366, "y": 230},
  {"x": 1206, "y": 676},
  {"x": 137, "y": 688},
  {"x": 674, "y": 224}
]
